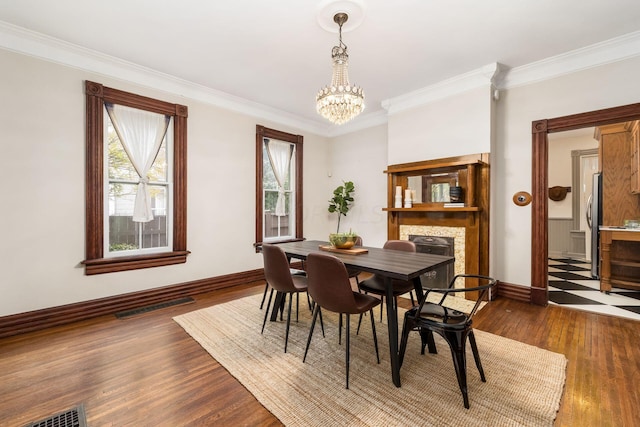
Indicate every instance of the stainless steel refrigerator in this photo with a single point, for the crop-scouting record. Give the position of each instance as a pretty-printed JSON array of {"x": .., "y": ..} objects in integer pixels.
[{"x": 594, "y": 221}]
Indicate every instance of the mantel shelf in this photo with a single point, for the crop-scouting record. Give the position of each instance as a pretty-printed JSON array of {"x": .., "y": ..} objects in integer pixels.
[{"x": 433, "y": 209}]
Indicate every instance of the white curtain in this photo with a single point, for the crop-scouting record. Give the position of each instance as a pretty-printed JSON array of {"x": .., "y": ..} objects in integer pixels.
[
  {"x": 280, "y": 158},
  {"x": 141, "y": 133}
]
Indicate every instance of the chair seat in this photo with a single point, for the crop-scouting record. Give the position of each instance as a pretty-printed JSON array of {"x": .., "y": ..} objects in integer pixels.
[
  {"x": 364, "y": 302},
  {"x": 299, "y": 283},
  {"x": 296, "y": 272},
  {"x": 440, "y": 314},
  {"x": 353, "y": 272},
  {"x": 375, "y": 285}
]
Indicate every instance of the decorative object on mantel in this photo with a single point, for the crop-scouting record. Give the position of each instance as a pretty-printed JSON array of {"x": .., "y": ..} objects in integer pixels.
[
  {"x": 522, "y": 198},
  {"x": 558, "y": 193},
  {"x": 456, "y": 194},
  {"x": 408, "y": 199},
  {"x": 340, "y": 101},
  {"x": 398, "y": 200}
]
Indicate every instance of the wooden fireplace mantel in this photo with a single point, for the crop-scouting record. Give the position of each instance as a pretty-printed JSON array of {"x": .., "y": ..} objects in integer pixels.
[{"x": 472, "y": 173}]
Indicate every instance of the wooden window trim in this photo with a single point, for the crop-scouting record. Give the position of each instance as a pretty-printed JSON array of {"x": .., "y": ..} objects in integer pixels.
[
  {"x": 95, "y": 263},
  {"x": 263, "y": 132}
]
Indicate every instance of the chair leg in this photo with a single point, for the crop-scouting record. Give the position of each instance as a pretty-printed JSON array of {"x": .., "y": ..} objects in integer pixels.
[
  {"x": 286, "y": 337},
  {"x": 297, "y": 305},
  {"x": 412, "y": 300},
  {"x": 264, "y": 295},
  {"x": 266, "y": 313},
  {"x": 347, "y": 345},
  {"x": 426, "y": 336},
  {"x": 457, "y": 341},
  {"x": 321, "y": 322},
  {"x": 340, "y": 330},
  {"x": 359, "y": 323},
  {"x": 375, "y": 337},
  {"x": 476, "y": 355},
  {"x": 316, "y": 310}
]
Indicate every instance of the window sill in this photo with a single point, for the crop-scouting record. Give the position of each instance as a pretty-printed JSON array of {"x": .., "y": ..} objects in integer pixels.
[{"x": 112, "y": 265}]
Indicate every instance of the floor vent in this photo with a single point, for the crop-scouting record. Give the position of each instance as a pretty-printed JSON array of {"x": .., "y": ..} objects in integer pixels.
[
  {"x": 74, "y": 417},
  {"x": 140, "y": 310}
]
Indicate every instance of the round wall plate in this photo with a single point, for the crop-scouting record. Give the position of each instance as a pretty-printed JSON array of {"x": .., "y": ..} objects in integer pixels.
[
  {"x": 328, "y": 9},
  {"x": 522, "y": 198}
]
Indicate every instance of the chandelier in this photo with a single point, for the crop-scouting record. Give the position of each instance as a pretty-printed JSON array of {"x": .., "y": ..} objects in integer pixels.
[{"x": 340, "y": 102}]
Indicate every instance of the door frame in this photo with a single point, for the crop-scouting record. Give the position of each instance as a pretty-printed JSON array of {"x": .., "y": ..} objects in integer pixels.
[{"x": 540, "y": 129}]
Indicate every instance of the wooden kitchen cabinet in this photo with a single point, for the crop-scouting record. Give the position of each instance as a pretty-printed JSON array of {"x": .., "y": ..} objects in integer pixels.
[
  {"x": 635, "y": 157},
  {"x": 620, "y": 258}
]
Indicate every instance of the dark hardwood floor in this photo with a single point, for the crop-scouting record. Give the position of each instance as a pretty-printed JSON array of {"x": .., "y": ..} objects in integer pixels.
[{"x": 146, "y": 371}]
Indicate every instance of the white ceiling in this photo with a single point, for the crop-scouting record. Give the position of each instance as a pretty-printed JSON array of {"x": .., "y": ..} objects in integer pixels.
[{"x": 276, "y": 54}]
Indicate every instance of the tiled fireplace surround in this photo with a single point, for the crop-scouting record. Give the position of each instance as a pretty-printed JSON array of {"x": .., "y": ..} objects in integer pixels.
[{"x": 458, "y": 234}]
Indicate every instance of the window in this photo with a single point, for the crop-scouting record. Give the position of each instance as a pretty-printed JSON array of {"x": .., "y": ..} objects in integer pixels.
[
  {"x": 278, "y": 186},
  {"x": 136, "y": 189}
]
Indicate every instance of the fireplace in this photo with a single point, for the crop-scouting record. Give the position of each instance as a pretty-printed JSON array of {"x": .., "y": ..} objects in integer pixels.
[{"x": 437, "y": 245}]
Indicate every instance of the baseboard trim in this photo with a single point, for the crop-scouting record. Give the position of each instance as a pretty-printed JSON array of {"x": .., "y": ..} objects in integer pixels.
[
  {"x": 55, "y": 316},
  {"x": 515, "y": 292}
]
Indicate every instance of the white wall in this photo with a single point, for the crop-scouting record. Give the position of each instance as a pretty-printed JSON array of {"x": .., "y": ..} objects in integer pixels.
[
  {"x": 42, "y": 169},
  {"x": 458, "y": 125},
  {"x": 362, "y": 158},
  {"x": 588, "y": 90},
  {"x": 42, "y": 173}
]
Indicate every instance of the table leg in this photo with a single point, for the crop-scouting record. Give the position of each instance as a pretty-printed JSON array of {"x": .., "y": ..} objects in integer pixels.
[
  {"x": 392, "y": 324},
  {"x": 417, "y": 285}
]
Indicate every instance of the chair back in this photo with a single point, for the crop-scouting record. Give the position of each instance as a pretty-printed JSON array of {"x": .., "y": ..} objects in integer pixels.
[
  {"x": 276, "y": 268},
  {"x": 483, "y": 290},
  {"x": 328, "y": 283},
  {"x": 400, "y": 245}
]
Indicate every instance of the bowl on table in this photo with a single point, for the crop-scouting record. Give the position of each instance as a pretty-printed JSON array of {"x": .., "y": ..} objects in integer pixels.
[{"x": 342, "y": 241}]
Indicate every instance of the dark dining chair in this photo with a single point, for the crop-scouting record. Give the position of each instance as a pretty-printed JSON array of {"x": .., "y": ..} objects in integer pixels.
[
  {"x": 279, "y": 278},
  {"x": 330, "y": 289},
  {"x": 375, "y": 285},
  {"x": 293, "y": 271},
  {"x": 453, "y": 325}
]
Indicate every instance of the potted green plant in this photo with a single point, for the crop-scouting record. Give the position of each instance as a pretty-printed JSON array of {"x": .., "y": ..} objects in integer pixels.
[{"x": 340, "y": 203}]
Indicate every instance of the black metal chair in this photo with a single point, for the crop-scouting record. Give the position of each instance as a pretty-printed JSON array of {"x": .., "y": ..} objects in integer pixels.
[
  {"x": 279, "y": 277},
  {"x": 330, "y": 289},
  {"x": 453, "y": 325}
]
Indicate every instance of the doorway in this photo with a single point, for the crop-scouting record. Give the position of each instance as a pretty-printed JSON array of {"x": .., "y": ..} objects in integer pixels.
[
  {"x": 573, "y": 159},
  {"x": 540, "y": 183}
]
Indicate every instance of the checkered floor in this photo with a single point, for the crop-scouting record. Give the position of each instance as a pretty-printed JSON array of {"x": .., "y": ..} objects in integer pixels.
[{"x": 571, "y": 285}]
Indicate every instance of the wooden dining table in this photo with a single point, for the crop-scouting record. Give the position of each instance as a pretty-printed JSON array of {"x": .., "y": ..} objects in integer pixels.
[{"x": 387, "y": 263}]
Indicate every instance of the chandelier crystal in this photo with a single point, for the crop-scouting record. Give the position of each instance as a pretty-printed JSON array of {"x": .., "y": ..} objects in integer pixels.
[{"x": 340, "y": 102}]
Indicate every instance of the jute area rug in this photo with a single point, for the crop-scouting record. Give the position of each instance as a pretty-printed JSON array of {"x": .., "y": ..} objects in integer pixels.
[{"x": 518, "y": 392}]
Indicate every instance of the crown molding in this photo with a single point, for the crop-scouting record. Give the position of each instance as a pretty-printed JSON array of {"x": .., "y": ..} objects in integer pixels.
[
  {"x": 606, "y": 52},
  {"x": 31, "y": 43},
  {"x": 363, "y": 121},
  {"x": 27, "y": 42},
  {"x": 480, "y": 77}
]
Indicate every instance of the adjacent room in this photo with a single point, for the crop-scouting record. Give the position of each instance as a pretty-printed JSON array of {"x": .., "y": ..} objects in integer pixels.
[{"x": 342, "y": 212}]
